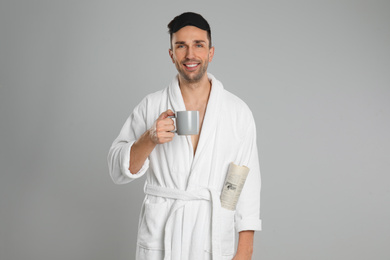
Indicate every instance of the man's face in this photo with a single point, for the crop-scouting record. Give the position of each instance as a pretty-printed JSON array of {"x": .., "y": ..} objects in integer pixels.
[{"x": 191, "y": 53}]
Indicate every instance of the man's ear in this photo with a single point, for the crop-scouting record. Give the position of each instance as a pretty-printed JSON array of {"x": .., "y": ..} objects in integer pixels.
[
  {"x": 171, "y": 55},
  {"x": 211, "y": 53}
]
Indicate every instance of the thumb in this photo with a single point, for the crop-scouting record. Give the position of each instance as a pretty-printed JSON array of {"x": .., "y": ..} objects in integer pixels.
[
  {"x": 170, "y": 112},
  {"x": 166, "y": 114}
]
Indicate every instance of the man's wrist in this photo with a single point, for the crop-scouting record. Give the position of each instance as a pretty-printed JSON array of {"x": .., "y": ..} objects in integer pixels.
[{"x": 148, "y": 138}]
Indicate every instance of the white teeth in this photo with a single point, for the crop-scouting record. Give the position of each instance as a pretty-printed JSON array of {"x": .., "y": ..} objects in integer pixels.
[{"x": 191, "y": 65}]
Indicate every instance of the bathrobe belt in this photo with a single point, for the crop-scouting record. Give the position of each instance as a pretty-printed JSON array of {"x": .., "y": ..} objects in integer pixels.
[{"x": 181, "y": 198}]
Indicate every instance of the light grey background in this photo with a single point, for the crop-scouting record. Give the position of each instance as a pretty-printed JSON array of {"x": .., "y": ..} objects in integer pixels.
[{"x": 315, "y": 74}]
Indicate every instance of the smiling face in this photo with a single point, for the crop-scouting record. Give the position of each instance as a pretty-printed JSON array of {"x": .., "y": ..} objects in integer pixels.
[{"x": 191, "y": 53}]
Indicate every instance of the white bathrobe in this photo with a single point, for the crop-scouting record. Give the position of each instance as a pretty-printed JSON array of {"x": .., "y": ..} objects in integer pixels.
[{"x": 181, "y": 217}]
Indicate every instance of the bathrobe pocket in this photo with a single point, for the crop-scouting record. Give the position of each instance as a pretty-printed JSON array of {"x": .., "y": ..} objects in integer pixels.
[
  {"x": 151, "y": 230},
  {"x": 227, "y": 234}
]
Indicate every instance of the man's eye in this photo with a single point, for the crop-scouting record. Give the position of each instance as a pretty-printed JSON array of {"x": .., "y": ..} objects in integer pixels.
[
  {"x": 180, "y": 46},
  {"x": 199, "y": 45}
]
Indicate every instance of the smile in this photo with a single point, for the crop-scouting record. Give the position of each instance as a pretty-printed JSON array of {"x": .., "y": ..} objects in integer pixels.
[{"x": 191, "y": 66}]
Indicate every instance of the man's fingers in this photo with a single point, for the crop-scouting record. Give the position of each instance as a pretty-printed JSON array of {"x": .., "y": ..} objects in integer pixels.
[
  {"x": 170, "y": 112},
  {"x": 166, "y": 114},
  {"x": 167, "y": 121},
  {"x": 169, "y": 135},
  {"x": 164, "y": 137},
  {"x": 163, "y": 127},
  {"x": 165, "y": 124},
  {"x": 169, "y": 127},
  {"x": 163, "y": 116}
]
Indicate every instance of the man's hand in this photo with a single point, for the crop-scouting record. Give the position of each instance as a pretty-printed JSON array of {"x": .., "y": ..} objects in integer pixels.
[{"x": 160, "y": 132}]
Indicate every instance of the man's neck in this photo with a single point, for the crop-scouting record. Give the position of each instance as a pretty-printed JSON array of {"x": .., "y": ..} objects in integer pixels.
[{"x": 195, "y": 94}]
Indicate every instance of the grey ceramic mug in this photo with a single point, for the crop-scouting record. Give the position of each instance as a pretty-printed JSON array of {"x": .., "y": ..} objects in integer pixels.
[{"x": 187, "y": 122}]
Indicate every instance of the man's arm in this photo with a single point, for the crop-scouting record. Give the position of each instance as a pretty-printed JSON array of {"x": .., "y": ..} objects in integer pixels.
[
  {"x": 245, "y": 245},
  {"x": 247, "y": 214},
  {"x": 159, "y": 133}
]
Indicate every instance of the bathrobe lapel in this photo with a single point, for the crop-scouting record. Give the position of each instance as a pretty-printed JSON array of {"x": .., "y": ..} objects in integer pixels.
[
  {"x": 210, "y": 122},
  {"x": 175, "y": 98},
  {"x": 177, "y": 104}
]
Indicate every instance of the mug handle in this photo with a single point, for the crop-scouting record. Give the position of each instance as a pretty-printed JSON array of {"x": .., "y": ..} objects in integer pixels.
[{"x": 173, "y": 131}]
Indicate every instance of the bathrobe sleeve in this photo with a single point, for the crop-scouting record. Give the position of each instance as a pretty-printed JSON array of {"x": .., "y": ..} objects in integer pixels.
[
  {"x": 247, "y": 215},
  {"x": 119, "y": 154}
]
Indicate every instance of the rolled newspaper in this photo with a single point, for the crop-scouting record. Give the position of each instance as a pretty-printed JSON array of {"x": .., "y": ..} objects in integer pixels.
[{"x": 234, "y": 182}]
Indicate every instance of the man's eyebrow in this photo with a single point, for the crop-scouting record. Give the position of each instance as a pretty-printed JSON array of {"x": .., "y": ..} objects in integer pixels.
[{"x": 195, "y": 41}]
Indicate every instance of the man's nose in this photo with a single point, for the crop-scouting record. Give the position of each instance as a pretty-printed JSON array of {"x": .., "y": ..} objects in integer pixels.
[{"x": 190, "y": 53}]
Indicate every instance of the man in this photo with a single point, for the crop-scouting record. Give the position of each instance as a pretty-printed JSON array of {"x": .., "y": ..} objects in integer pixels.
[{"x": 181, "y": 217}]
